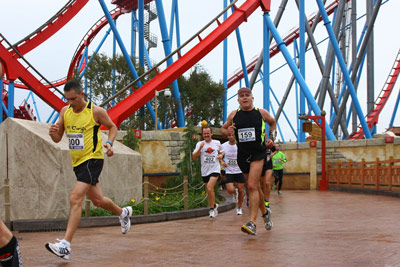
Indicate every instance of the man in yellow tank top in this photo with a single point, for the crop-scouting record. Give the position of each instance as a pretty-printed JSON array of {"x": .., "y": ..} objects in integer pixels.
[{"x": 81, "y": 122}]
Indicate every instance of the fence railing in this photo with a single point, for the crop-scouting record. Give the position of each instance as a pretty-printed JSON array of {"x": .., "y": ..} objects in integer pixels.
[
  {"x": 379, "y": 175},
  {"x": 181, "y": 191}
]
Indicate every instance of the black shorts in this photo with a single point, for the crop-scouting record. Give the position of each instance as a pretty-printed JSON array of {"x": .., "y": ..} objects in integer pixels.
[
  {"x": 206, "y": 179},
  {"x": 89, "y": 171},
  {"x": 267, "y": 166},
  {"x": 10, "y": 254},
  {"x": 244, "y": 160},
  {"x": 235, "y": 178}
]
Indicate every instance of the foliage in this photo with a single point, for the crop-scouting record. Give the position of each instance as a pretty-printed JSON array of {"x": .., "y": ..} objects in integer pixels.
[
  {"x": 158, "y": 203},
  {"x": 131, "y": 140},
  {"x": 188, "y": 166},
  {"x": 103, "y": 86},
  {"x": 202, "y": 96}
]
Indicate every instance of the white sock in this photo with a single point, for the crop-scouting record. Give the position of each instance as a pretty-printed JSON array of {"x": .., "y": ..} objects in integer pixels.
[
  {"x": 123, "y": 214},
  {"x": 65, "y": 242}
]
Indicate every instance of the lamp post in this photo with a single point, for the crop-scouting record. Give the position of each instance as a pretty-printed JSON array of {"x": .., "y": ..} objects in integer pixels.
[
  {"x": 323, "y": 183},
  {"x": 167, "y": 94}
]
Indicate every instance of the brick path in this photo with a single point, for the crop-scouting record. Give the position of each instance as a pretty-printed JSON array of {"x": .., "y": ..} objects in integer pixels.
[{"x": 312, "y": 228}]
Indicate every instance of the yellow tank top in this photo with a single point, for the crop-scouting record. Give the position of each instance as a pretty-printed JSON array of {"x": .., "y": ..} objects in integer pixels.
[{"x": 84, "y": 135}]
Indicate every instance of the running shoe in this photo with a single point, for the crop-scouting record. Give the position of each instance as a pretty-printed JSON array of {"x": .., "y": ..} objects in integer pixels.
[
  {"x": 216, "y": 209},
  {"x": 249, "y": 228},
  {"x": 239, "y": 211},
  {"x": 267, "y": 220},
  {"x": 126, "y": 221},
  {"x": 211, "y": 213},
  {"x": 279, "y": 192},
  {"x": 59, "y": 249}
]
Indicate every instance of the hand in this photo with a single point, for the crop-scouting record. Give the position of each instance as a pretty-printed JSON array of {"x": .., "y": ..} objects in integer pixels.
[
  {"x": 110, "y": 151},
  {"x": 202, "y": 144},
  {"x": 224, "y": 164},
  {"x": 53, "y": 129},
  {"x": 231, "y": 129},
  {"x": 269, "y": 143}
]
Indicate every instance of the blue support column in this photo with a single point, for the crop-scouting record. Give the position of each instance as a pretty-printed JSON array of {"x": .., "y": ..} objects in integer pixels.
[
  {"x": 296, "y": 73},
  {"x": 171, "y": 21},
  {"x": 302, "y": 64},
  {"x": 344, "y": 69},
  {"x": 395, "y": 110},
  {"x": 133, "y": 33},
  {"x": 114, "y": 53},
  {"x": 241, "y": 53},
  {"x": 178, "y": 28},
  {"x": 225, "y": 71},
  {"x": 141, "y": 32},
  {"x": 10, "y": 104},
  {"x": 94, "y": 53},
  {"x": 266, "y": 71},
  {"x": 167, "y": 51}
]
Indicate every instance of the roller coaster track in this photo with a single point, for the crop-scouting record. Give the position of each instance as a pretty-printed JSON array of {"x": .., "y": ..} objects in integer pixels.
[
  {"x": 381, "y": 100},
  {"x": 16, "y": 70},
  {"x": 54, "y": 24},
  {"x": 288, "y": 39}
]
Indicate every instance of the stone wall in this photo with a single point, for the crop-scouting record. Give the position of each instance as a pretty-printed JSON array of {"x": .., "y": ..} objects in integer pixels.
[
  {"x": 160, "y": 150},
  {"x": 41, "y": 176}
]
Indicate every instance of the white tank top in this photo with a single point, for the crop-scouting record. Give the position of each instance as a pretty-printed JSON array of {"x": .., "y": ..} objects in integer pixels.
[{"x": 230, "y": 158}]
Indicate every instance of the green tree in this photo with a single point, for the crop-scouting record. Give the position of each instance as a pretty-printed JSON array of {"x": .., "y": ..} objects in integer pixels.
[
  {"x": 202, "y": 97},
  {"x": 100, "y": 74}
]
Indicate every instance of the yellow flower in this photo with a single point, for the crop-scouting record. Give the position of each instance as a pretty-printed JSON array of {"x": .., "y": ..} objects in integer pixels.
[
  {"x": 202, "y": 193},
  {"x": 157, "y": 198},
  {"x": 133, "y": 201},
  {"x": 152, "y": 193},
  {"x": 156, "y": 188},
  {"x": 165, "y": 191},
  {"x": 164, "y": 194}
]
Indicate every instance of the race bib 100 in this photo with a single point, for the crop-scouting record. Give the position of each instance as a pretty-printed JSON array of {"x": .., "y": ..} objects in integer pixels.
[
  {"x": 76, "y": 141},
  {"x": 247, "y": 135}
]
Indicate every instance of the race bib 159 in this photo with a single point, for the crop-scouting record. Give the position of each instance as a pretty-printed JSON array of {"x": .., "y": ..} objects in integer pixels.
[{"x": 247, "y": 135}]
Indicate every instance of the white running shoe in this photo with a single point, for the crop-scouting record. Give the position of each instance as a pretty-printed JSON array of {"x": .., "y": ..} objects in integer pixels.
[
  {"x": 216, "y": 209},
  {"x": 59, "y": 249},
  {"x": 239, "y": 211},
  {"x": 126, "y": 221},
  {"x": 211, "y": 213}
]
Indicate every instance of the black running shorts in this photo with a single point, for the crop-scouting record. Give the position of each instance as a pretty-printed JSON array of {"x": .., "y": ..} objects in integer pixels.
[
  {"x": 89, "y": 171},
  {"x": 206, "y": 179},
  {"x": 235, "y": 178},
  {"x": 244, "y": 159},
  {"x": 267, "y": 166}
]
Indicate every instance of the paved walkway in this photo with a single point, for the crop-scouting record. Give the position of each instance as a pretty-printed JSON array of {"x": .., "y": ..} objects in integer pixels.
[{"x": 312, "y": 228}]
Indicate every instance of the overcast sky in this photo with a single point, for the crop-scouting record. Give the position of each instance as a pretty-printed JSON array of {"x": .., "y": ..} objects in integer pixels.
[{"x": 53, "y": 57}]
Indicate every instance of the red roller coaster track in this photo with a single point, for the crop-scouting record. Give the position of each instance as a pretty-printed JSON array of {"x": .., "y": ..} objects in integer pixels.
[
  {"x": 373, "y": 115},
  {"x": 16, "y": 70}
]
